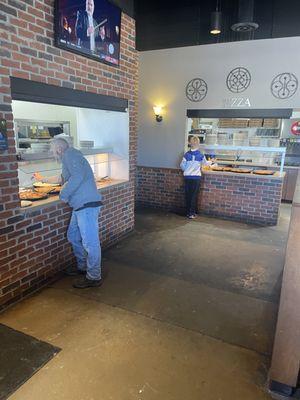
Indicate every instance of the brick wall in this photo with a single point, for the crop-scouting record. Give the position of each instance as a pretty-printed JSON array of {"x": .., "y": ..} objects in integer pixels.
[
  {"x": 160, "y": 188},
  {"x": 242, "y": 198},
  {"x": 33, "y": 246},
  {"x": 238, "y": 197}
]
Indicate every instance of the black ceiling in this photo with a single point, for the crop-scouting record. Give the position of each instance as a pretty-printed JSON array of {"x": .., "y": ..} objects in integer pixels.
[
  {"x": 127, "y": 6},
  {"x": 166, "y": 24}
]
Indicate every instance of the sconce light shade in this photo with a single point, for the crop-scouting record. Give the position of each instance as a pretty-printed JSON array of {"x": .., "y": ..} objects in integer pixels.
[
  {"x": 157, "y": 111},
  {"x": 216, "y": 19}
]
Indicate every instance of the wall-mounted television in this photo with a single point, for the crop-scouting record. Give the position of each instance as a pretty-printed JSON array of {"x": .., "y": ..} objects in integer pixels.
[{"x": 90, "y": 28}]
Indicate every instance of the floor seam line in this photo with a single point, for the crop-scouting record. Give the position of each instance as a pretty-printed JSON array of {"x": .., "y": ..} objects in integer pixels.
[
  {"x": 161, "y": 321},
  {"x": 199, "y": 283}
]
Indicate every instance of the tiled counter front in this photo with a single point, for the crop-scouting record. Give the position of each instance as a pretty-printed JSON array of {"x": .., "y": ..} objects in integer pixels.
[{"x": 248, "y": 198}]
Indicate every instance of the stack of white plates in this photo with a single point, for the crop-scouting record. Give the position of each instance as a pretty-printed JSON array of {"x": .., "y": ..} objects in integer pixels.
[
  {"x": 240, "y": 142},
  {"x": 211, "y": 139},
  {"x": 273, "y": 142},
  {"x": 86, "y": 144},
  {"x": 222, "y": 138},
  {"x": 40, "y": 147},
  {"x": 254, "y": 141},
  {"x": 240, "y": 135}
]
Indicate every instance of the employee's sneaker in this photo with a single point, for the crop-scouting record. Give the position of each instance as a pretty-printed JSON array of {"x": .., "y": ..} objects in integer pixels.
[
  {"x": 192, "y": 216},
  {"x": 85, "y": 282},
  {"x": 73, "y": 271}
]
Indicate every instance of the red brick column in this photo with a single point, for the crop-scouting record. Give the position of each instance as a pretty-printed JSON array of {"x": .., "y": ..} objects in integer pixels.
[{"x": 33, "y": 246}]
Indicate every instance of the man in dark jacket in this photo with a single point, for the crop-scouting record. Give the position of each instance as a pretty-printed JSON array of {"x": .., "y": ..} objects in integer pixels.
[{"x": 86, "y": 27}]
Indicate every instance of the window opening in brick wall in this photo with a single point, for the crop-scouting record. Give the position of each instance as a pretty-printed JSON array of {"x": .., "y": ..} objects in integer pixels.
[{"x": 102, "y": 136}]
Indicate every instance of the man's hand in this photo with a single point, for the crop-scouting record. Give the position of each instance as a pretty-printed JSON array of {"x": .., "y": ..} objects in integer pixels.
[
  {"x": 38, "y": 177},
  {"x": 90, "y": 30}
]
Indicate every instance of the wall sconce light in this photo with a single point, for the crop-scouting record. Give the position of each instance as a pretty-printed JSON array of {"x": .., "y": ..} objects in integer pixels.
[{"x": 157, "y": 111}]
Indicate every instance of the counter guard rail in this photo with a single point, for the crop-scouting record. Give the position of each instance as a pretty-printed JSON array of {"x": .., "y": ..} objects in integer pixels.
[{"x": 281, "y": 150}]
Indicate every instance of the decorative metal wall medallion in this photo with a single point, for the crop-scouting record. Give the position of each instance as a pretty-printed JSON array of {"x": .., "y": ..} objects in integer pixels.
[
  {"x": 284, "y": 85},
  {"x": 196, "y": 89},
  {"x": 238, "y": 80}
]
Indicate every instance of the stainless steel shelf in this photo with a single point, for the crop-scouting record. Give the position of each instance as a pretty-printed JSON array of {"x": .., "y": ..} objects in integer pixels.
[{"x": 48, "y": 156}]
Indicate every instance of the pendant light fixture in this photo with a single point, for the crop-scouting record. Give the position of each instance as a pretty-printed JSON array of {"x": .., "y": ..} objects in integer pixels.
[{"x": 216, "y": 19}]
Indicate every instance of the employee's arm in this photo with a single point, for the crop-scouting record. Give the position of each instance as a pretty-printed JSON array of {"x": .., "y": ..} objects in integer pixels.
[
  {"x": 183, "y": 164},
  {"x": 205, "y": 162}
]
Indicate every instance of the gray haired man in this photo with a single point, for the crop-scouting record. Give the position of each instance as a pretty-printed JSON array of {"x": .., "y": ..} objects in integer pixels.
[{"x": 80, "y": 192}]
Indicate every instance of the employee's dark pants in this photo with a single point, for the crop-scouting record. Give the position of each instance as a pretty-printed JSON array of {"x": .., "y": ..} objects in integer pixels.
[{"x": 192, "y": 187}]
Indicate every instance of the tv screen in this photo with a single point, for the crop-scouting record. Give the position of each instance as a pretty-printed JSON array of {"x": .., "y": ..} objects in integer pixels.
[
  {"x": 3, "y": 135},
  {"x": 89, "y": 27}
]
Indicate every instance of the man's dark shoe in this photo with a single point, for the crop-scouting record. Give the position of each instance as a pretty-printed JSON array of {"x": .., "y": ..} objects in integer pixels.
[
  {"x": 85, "y": 282},
  {"x": 73, "y": 271}
]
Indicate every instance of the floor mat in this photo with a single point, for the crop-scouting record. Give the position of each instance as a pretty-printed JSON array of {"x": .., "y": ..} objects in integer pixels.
[{"x": 21, "y": 356}]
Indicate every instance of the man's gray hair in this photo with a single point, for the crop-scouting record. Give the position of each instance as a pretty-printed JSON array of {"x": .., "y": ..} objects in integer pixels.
[
  {"x": 61, "y": 139},
  {"x": 60, "y": 142}
]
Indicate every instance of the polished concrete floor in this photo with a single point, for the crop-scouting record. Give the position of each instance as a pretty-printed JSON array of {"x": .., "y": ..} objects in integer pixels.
[{"x": 187, "y": 312}]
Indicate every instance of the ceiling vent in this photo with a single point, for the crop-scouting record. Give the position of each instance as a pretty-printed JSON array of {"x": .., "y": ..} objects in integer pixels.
[{"x": 245, "y": 18}]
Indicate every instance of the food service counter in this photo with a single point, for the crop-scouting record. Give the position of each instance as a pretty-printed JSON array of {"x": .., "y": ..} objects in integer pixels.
[
  {"x": 109, "y": 169},
  {"x": 247, "y": 197},
  {"x": 290, "y": 178},
  {"x": 54, "y": 199}
]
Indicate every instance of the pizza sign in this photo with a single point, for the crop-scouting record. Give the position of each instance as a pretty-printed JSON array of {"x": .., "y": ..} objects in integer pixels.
[{"x": 295, "y": 128}]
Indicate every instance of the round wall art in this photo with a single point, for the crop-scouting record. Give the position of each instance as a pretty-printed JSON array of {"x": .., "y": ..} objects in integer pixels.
[
  {"x": 238, "y": 80},
  {"x": 284, "y": 85},
  {"x": 196, "y": 89}
]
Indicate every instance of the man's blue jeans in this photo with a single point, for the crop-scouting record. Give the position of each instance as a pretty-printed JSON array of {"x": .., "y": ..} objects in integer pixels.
[{"x": 83, "y": 234}]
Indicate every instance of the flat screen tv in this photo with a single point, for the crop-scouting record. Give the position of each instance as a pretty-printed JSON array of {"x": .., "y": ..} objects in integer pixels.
[{"x": 89, "y": 27}]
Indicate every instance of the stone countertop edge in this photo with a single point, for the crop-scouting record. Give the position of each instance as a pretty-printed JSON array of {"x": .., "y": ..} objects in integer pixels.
[
  {"x": 277, "y": 175},
  {"x": 54, "y": 200}
]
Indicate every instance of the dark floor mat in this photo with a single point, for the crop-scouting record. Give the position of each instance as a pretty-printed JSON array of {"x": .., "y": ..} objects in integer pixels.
[{"x": 21, "y": 356}]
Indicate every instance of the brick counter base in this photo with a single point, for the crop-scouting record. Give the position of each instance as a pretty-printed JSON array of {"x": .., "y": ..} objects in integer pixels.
[{"x": 254, "y": 200}]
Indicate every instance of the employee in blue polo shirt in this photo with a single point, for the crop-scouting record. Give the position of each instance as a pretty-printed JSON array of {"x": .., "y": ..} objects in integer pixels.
[{"x": 191, "y": 167}]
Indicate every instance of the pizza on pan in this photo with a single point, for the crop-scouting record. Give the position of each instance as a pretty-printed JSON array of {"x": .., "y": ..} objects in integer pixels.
[
  {"x": 31, "y": 195},
  {"x": 263, "y": 172}
]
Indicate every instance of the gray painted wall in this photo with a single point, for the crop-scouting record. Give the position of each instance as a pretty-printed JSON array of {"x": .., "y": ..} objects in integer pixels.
[{"x": 165, "y": 73}]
